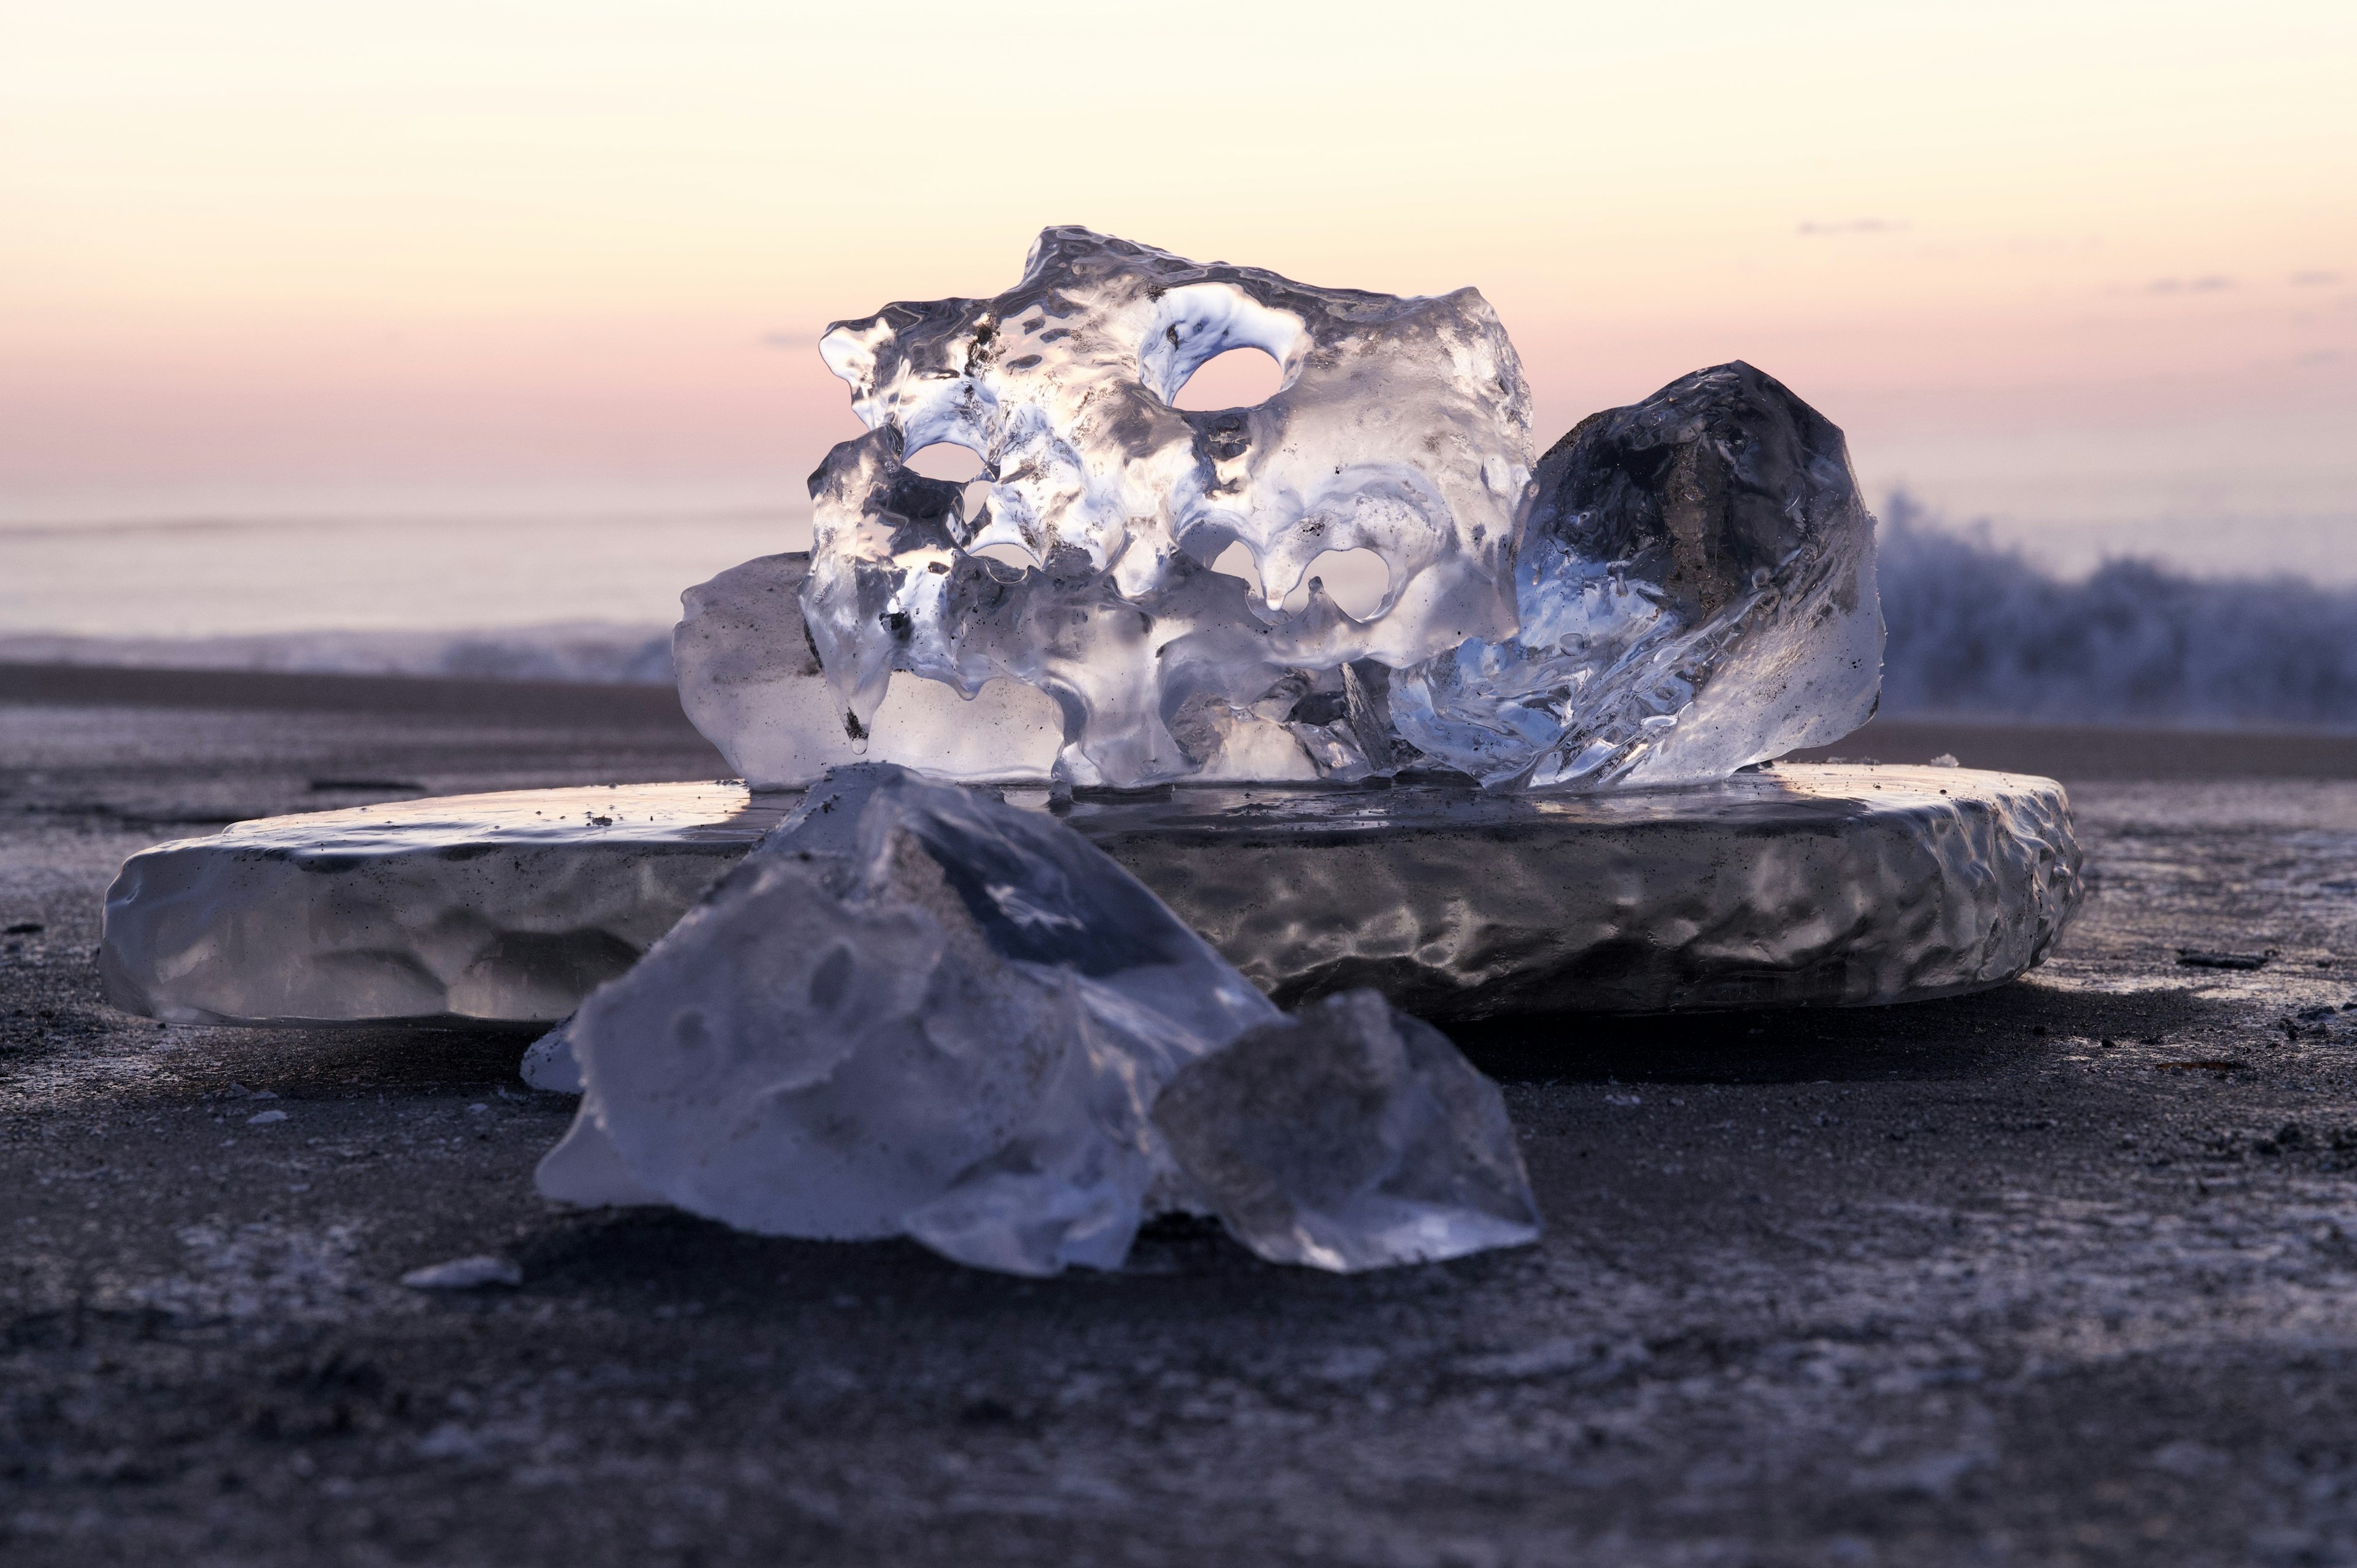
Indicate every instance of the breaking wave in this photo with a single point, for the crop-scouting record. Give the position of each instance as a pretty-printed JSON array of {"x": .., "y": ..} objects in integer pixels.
[{"x": 1979, "y": 629}]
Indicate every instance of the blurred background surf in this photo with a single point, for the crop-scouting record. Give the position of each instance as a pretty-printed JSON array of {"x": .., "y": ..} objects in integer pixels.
[{"x": 1977, "y": 629}]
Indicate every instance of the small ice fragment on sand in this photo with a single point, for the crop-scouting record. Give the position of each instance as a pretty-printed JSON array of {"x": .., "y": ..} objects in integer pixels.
[
  {"x": 464, "y": 1273},
  {"x": 264, "y": 1118},
  {"x": 2196, "y": 958},
  {"x": 914, "y": 1009},
  {"x": 1350, "y": 1136},
  {"x": 548, "y": 1065}
]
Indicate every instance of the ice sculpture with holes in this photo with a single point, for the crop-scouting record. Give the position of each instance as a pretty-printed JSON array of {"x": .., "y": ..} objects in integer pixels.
[{"x": 1400, "y": 426}]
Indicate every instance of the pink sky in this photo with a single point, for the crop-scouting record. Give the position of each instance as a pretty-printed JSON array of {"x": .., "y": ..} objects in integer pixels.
[{"x": 2089, "y": 269}]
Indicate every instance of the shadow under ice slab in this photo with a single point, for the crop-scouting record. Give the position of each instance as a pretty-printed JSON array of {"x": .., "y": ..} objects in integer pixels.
[{"x": 1792, "y": 886}]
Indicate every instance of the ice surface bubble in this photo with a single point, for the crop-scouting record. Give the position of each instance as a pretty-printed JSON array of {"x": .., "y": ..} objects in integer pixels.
[
  {"x": 1683, "y": 586},
  {"x": 1350, "y": 1136},
  {"x": 912, "y": 1010}
]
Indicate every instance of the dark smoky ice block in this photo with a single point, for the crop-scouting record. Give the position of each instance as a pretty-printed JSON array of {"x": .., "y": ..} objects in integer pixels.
[{"x": 1350, "y": 1136}]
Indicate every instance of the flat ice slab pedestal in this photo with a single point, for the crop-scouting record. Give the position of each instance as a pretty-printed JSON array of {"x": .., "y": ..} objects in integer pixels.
[{"x": 1793, "y": 885}]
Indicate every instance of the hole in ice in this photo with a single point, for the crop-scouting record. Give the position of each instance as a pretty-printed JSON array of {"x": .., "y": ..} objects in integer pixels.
[
  {"x": 946, "y": 460},
  {"x": 1241, "y": 378},
  {"x": 977, "y": 496},
  {"x": 1355, "y": 580},
  {"x": 1236, "y": 561},
  {"x": 1013, "y": 554}
]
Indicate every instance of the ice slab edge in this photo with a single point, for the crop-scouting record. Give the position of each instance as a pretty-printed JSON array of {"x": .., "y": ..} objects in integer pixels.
[
  {"x": 506, "y": 907},
  {"x": 1790, "y": 886},
  {"x": 1801, "y": 887}
]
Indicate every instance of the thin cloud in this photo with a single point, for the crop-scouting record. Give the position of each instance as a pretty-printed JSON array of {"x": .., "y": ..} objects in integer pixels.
[
  {"x": 1815, "y": 230},
  {"x": 2210, "y": 283},
  {"x": 2314, "y": 280},
  {"x": 787, "y": 339}
]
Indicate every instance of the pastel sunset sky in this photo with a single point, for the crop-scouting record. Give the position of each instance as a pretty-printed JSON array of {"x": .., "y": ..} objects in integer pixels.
[{"x": 2089, "y": 269}]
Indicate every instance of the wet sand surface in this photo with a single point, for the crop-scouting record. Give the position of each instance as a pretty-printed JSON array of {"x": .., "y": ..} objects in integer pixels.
[{"x": 2064, "y": 1273}]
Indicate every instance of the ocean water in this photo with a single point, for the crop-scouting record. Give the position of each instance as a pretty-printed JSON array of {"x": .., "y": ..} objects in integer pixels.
[
  {"x": 588, "y": 596},
  {"x": 1978, "y": 627}
]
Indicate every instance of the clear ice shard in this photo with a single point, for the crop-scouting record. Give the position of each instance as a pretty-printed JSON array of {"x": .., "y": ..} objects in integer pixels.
[
  {"x": 1350, "y": 1136},
  {"x": 1679, "y": 588},
  {"x": 1402, "y": 426},
  {"x": 914, "y": 1009}
]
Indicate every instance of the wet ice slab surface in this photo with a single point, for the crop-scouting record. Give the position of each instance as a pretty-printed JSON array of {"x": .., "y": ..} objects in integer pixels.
[
  {"x": 914, "y": 1010},
  {"x": 1801, "y": 884}
]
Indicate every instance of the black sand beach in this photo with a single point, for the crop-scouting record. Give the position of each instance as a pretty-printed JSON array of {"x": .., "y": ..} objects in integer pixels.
[{"x": 2065, "y": 1273}]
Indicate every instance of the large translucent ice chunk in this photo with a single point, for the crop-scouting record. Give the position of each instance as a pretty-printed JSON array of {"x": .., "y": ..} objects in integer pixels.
[
  {"x": 1695, "y": 589},
  {"x": 912, "y": 1010},
  {"x": 1350, "y": 1136},
  {"x": 1685, "y": 588},
  {"x": 1402, "y": 427},
  {"x": 750, "y": 681}
]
